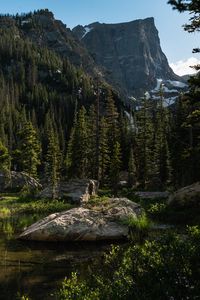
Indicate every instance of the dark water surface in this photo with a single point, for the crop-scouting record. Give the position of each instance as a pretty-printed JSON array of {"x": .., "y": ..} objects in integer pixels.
[{"x": 37, "y": 269}]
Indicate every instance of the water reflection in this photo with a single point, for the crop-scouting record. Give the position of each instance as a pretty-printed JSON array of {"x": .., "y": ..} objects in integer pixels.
[{"x": 36, "y": 268}]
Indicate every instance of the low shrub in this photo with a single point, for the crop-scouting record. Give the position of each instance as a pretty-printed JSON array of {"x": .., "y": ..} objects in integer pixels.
[{"x": 166, "y": 268}]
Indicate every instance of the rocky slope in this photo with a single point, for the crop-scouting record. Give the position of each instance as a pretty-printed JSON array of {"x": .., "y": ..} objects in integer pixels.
[
  {"x": 130, "y": 53},
  {"x": 45, "y": 31}
]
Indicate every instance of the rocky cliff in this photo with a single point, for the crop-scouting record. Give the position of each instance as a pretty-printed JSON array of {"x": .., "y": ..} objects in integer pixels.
[{"x": 130, "y": 53}]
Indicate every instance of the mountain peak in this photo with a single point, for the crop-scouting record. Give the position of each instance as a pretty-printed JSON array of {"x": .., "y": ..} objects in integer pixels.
[{"x": 129, "y": 51}]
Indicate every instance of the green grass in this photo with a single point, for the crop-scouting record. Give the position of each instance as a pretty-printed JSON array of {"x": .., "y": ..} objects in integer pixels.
[
  {"x": 139, "y": 227},
  {"x": 42, "y": 206},
  {"x": 97, "y": 201},
  {"x": 13, "y": 205},
  {"x": 140, "y": 223},
  {"x": 4, "y": 212}
]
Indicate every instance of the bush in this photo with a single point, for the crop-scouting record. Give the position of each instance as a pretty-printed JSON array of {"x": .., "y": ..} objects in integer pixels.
[
  {"x": 72, "y": 289},
  {"x": 168, "y": 268}
]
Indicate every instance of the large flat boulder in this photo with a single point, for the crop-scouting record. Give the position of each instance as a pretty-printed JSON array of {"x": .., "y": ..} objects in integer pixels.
[
  {"x": 76, "y": 191},
  {"x": 83, "y": 224},
  {"x": 188, "y": 196}
]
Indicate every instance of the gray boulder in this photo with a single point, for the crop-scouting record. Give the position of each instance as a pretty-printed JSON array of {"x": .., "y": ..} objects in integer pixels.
[
  {"x": 17, "y": 180},
  {"x": 76, "y": 191},
  {"x": 83, "y": 224},
  {"x": 188, "y": 196}
]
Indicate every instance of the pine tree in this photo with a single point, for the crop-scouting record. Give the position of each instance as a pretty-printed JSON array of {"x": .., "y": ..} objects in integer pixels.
[
  {"x": 111, "y": 118},
  {"x": 188, "y": 122},
  {"x": 93, "y": 143},
  {"x": 193, "y": 7},
  {"x": 145, "y": 142},
  {"x": 4, "y": 158},
  {"x": 29, "y": 148},
  {"x": 53, "y": 163},
  {"x": 77, "y": 154},
  {"x": 162, "y": 161},
  {"x": 115, "y": 166},
  {"x": 104, "y": 158},
  {"x": 132, "y": 173}
]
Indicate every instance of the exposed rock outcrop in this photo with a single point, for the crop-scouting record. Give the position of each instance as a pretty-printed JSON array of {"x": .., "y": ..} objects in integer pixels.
[
  {"x": 17, "y": 180},
  {"x": 188, "y": 196},
  {"x": 83, "y": 224},
  {"x": 130, "y": 52},
  {"x": 76, "y": 191}
]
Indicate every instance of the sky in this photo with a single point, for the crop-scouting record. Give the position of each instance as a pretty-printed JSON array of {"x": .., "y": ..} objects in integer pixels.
[{"x": 175, "y": 42}]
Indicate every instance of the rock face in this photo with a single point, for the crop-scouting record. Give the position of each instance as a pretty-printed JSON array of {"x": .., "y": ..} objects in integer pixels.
[
  {"x": 17, "y": 180},
  {"x": 76, "y": 191},
  {"x": 83, "y": 224},
  {"x": 127, "y": 55},
  {"x": 130, "y": 53},
  {"x": 188, "y": 196}
]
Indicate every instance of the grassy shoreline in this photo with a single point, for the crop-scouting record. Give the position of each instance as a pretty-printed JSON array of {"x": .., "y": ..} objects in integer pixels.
[{"x": 11, "y": 205}]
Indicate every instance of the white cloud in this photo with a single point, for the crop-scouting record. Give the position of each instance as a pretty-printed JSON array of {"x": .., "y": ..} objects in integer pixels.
[{"x": 182, "y": 67}]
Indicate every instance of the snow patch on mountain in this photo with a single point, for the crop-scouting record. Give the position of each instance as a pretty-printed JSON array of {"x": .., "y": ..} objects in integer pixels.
[
  {"x": 170, "y": 101},
  {"x": 167, "y": 90},
  {"x": 177, "y": 84},
  {"x": 87, "y": 30},
  {"x": 159, "y": 82},
  {"x": 168, "y": 86}
]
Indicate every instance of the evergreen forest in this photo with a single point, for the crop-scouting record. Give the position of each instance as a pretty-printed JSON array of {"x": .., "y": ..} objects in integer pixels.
[{"x": 56, "y": 119}]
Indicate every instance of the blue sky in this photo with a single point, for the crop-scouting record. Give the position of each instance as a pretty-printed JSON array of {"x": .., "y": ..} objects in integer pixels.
[{"x": 176, "y": 44}]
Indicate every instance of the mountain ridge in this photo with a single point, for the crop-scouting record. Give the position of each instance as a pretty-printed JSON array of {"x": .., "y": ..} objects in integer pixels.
[
  {"x": 129, "y": 51},
  {"x": 126, "y": 55}
]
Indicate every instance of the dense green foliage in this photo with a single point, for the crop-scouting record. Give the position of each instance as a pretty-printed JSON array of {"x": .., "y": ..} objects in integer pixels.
[
  {"x": 167, "y": 268},
  {"x": 186, "y": 121}
]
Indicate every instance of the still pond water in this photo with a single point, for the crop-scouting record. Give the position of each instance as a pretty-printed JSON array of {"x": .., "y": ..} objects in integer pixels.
[{"x": 37, "y": 269}]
